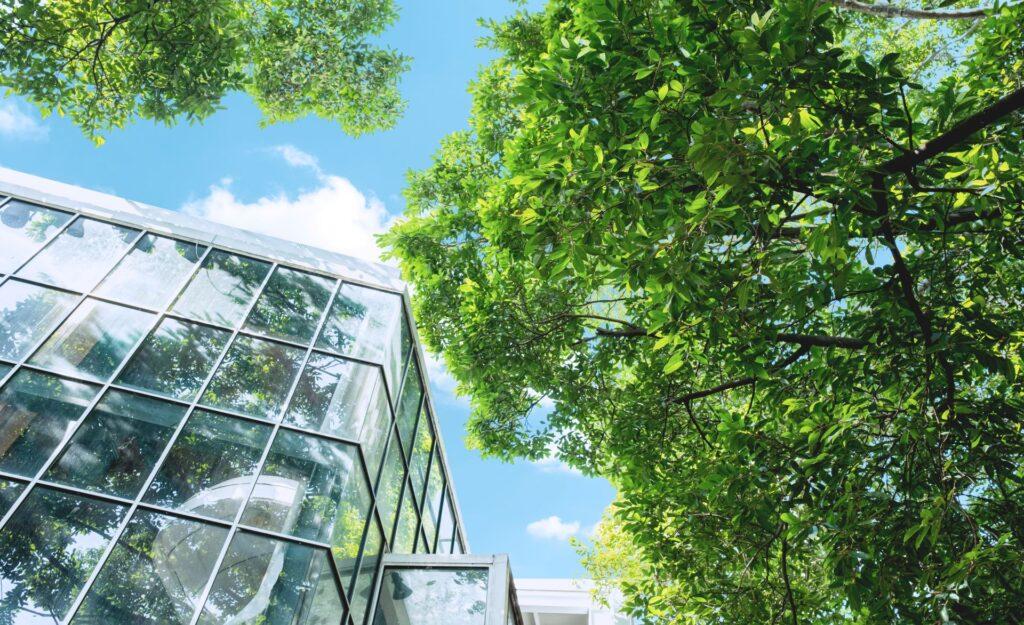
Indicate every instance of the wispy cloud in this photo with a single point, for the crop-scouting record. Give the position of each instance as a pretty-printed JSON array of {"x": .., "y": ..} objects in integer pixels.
[
  {"x": 552, "y": 464},
  {"x": 334, "y": 216},
  {"x": 553, "y": 528},
  {"x": 441, "y": 379},
  {"x": 16, "y": 124}
]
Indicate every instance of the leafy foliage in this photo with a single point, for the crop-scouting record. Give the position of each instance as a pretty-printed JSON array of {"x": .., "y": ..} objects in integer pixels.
[
  {"x": 769, "y": 277},
  {"x": 105, "y": 63}
]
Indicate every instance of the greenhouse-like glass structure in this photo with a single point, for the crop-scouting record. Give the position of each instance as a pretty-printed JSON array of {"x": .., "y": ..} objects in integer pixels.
[{"x": 199, "y": 425}]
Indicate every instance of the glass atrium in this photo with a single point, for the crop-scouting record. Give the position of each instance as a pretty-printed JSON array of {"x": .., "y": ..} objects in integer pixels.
[{"x": 200, "y": 433}]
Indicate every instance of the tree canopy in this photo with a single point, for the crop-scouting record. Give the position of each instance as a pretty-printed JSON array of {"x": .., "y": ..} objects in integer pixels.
[
  {"x": 105, "y": 63},
  {"x": 765, "y": 260}
]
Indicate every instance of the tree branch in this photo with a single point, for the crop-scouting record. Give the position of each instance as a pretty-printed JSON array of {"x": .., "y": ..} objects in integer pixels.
[
  {"x": 728, "y": 386},
  {"x": 818, "y": 340},
  {"x": 893, "y": 11},
  {"x": 785, "y": 578},
  {"x": 955, "y": 135}
]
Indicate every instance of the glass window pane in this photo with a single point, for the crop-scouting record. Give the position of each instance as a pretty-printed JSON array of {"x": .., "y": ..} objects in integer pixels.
[
  {"x": 312, "y": 488},
  {"x": 433, "y": 597},
  {"x": 152, "y": 273},
  {"x": 421, "y": 451},
  {"x": 155, "y": 574},
  {"x": 362, "y": 588},
  {"x": 291, "y": 305},
  {"x": 36, "y": 412},
  {"x": 48, "y": 550},
  {"x": 422, "y": 546},
  {"x": 390, "y": 486},
  {"x": 175, "y": 359},
  {"x": 446, "y": 526},
  {"x": 4, "y": 369},
  {"x": 94, "y": 340},
  {"x": 24, "y": 228},
  {"x": 254, "y": 378},
  {"x": 435, "y": 491},
  {"x": 27, "y": 314},
  {"x": 222, "y": 289},
  {"x": 9, "y": 491},
  {"x": 409, "y": 405},
  {"x": 271, "y": 582},
  {"x": 115, "y": 448},
  {"x": 81, "y": 255},
  {"x": 338, "y": 397},
  {"x": 459, "y": 548},
  {"x": 367, "y": 324},
  {"x": 210, "y": 468},
  {"x": 408, "y": 524}
]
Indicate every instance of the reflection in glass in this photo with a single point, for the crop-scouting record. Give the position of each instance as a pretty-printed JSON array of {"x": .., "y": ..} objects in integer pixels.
[
  {"x": 254, "y": 377},
  {"x": 93, "y": 341},
  {"x": 222, "y": 289},
  {"x": 27, "y": 314},
  {"x": 36, "y": 412},
  {"x": 368, "y": 324},
  {"x": 362, "y": 588},
  {"x": 432, "y": 597},
  {"x": 422, "y": 448},
  {"x": 81, "y": 255},
  {"x": 115, "y": 448},
  {"x": 458, "y": 548},
  {"x": 24, "y": 228},
  {"x": 408, "y": 524},
  {"x": 446, "y": 526},
  {"x": 48, "y": 550},
  {"x": 4, "y": 369},
  {"x": 210, "y": 467},
  {"x": 390, "y": 486},
  {"x": 291, "y": 305},
  {"x": 270, "y": 582},
  {"x": 151, "y": 274},
  {"x": 338, "y": 397},
  {"x": 9, "y": 491},
  {"x": 435, "y": 492},
  {"x": 155, "y": 574},
  {"x": 175, "y": 359},
  {"x": 312, "y": 488},
  {"x": 409, "y": 405}
]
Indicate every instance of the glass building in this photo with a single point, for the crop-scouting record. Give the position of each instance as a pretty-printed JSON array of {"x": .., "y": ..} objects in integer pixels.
[{"x": 200, "y": 425}]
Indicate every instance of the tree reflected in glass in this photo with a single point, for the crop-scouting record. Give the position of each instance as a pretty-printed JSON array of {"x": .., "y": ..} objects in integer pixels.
[
  {"x": 24, "y": 228},
  {"x": 36, "y": 411},
  {"x": 48, "y": 549},
  {"x": 409, "y": 405},
  {"x": 115, "y": 448},
  {"x": 93, "y": 341},
  {"x": 362, "y": 585},
  {"x": 222, "y": 289},
  {"x": 9, "y": 491},
  {"x": 338, "y": 397},
  {"x": 210, "y": 467},
  {"x": 270, "y": 582},
  {"x": 152, "y": 271},
  {"x": 312, "y": 488},
  {"x": 291, "y": 305},
  {"x": 254, "y": 377},
  {"x": 432, "y": 597},
  {"x": 156, "y": 573},
  {"x": 81, "y": 255},
  {"x": 175, "y": 359},
  {"x": 27, "y": 314}
]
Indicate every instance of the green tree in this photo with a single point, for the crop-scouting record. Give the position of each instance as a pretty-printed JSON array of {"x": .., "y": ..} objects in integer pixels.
[
  {"x": 105, "y": 63},
  {"x": 769, "y": 273}
]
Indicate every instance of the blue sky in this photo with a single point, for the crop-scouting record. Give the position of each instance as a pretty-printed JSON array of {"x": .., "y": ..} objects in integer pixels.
[{"x": 308, "y": 181}]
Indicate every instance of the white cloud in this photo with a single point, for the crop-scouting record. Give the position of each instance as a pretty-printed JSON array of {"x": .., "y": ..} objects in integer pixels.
[
  {"x": 334, "y": 216},
  {"x": 297, "y": 158},
  {"x": 553, "y": 528},
  {"x": 16, "y": 124},
  {"x": 551, "y": 463},
  {"x": 441, "y": 379}
]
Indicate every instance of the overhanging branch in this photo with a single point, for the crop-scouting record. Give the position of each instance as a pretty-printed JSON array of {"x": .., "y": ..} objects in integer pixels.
[{"x": 892, "y": 11}]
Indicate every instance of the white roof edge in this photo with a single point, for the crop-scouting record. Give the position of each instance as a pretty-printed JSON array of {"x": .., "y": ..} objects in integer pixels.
[{"x": 105, "y": 205}]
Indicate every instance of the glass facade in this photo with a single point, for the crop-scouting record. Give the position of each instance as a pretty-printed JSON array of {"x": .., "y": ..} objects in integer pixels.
[{"x": 196, "y": 435}]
